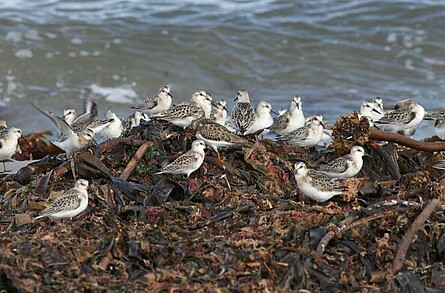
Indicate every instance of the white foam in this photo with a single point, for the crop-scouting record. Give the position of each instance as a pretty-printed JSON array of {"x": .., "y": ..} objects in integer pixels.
[
  {"x": 115, "y": 94},
  {"x": 33, "y": 35},
  {"x": 76, "y": 41},
  {"x": 51, "y": 35},
  {"x": 24, "y": 53},
  {"x": 14, "y": 37},
  {"x": 391, "y": 38}
]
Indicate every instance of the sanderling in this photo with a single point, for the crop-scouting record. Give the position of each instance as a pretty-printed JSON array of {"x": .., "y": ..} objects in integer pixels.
[
  {"x": 69, "y": 115},
  {"x": 243, "y": 114},
  {"x": 367, "y": 110},
  {"x": 183, "y": 114},
  {"x": 377, "y": 104},
  {"x": 345, "y": 166},
  {"x": 3, "y": 127},
  {"x": 114, "y": 128},
  {"x": 306, "y": 136},
  {"x": 90, "y": 111},
  {"x": 134, "y": 120},
  {"x": 188, "y": 162},
  {"x": 407, "y": 114},
  {"x": 290, "y": 119},
  {"x": 263, "y": 118},
  {"x": 156, "y": 104},
  {"x": 215, "y": 135},
  {"x": 316, "y": 185},
  {"x": 328, "y": 128},
  {"x": 71, "y": 203},
  {"x": 71, "y": 138},
  {"x": 8, "y": 144},
  {"x": 439, "y": 127},
  {"x": 219, "y": 112}
]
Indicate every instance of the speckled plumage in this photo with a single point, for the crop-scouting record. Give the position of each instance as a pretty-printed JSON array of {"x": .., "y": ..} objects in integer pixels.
[
  {"x": 316, "y": 185},
  {"x": 407, "y": 114},
  {"x": 8, "y": 144},
  {"x": 215, "y": 135},
  {"x": 306, "y": 136},
  {"x": 156, "y": 104},
  {"x": 243, "y": 114},
  {"x": 183, "y": 114},
  {"x": 69, "y": 204},
  {"x": 290, "y": 119},
  {"x": 188, "y": 162},
  {"x": 345, "y": 166}
]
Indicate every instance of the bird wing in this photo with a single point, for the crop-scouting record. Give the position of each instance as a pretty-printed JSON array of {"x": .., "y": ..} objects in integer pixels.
[
  {"x": 62, "y": 126},
  {"x": 90, "y": 109},
  {"x": 338, "y": 165},
  {"x": 67, "y": 201},
  {"x": 148, "y": 104},
  {"x": 280, "y": 122},
  {"x": 243, "y": 116},
  {"x": 298, "y": 134},
  {"x": 323, "y": 182},
  {"x": 397, "y": 117},
  {"x": 181, "y": 162}
]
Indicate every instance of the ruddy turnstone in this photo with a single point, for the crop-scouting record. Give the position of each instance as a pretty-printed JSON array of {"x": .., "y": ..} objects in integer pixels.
[
  {"x": 345, "y": 166},
  {"x": 306, "y": 136},
  {"x": 69, "y": 204},
  {"x": 8, "y": 144},
  {"x": 243, "y": 114},
  {"x": 188, "y": 162},
  {"x": 156, "y": 104},
  {"x": 316, "y": 185}
]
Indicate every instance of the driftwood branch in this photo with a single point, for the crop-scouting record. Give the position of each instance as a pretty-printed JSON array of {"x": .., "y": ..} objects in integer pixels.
[
  {"x": 399, "y": 259},
  {"x": 406, "y": 141},
  {"x": 112, "y": 143},
  {"x": 224, "y": 166},
  {"x": 135, "y": 160}
]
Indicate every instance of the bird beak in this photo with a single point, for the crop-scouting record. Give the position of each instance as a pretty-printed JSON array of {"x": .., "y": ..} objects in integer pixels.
[
  {"x": 322, "y": 124},
  {"x": 95, "y": 143},
  {"x": 375, "y": 110},
  {"x": 367, "y": 155},
  {"x": 236, "y": 99},
  {"x": 213, "y": 103}
]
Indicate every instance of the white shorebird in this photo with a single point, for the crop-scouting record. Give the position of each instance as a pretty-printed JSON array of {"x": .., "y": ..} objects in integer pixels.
[
  {"x": 8, "y": 144},
  {"x": 188, "y": 162},
  {"x": 306, "y": 136},
  {"x": 316, "y": 185},
  {"x": 69, "y": 115},
  {"x": 439, "y": 127},
  {"x": 71, "y": 138},
  {"x": 406, "y": 116},
  {"x": 290, "y": 119},
  {"x": 215, "y": 135},
  {"x": 183, "y": 114},
  {"x": 367, "y": 110},
  {"x": 243, "y": 114},
  {"x": 377, "y": 103},
  {"x": 69, "y": 204},
  {"x": 263, "y": 118},
  {"x": 345, "y": 166},
  {"x": 114, "y": 129},
  {"x": 219, "y": 112},
  {"x": 156, "y": 104}
]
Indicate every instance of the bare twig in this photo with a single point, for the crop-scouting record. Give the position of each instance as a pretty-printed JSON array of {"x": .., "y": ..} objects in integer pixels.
[
  {"x": 224, "y": 166},
  {"x": 345, "y": 225},
  {"x": 135, "y": 160},
  {"x": 399, "y": 259},
  {"x": 112, "y": 143},
  {"x": 406, "y": 141}
]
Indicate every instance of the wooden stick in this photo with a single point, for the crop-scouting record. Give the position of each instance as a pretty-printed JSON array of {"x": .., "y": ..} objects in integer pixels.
[
  {"x": 112, "y": 143},
  {"x": 406, "y": 141},
  {"x": 399, "y": 259},
  {"x": 135, "y": 160},
  {"x": 228, "y": 168}
]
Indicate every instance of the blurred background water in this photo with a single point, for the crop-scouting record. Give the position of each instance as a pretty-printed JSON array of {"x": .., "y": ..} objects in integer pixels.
[{"x": 334, "y": 54}]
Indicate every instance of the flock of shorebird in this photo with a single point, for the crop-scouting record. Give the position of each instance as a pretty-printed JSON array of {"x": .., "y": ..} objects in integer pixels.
[{"x": 213, "y": 128}]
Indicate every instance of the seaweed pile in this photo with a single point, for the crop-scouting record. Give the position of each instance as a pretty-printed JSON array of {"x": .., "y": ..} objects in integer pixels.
[{"x": 240, "y": 225}]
